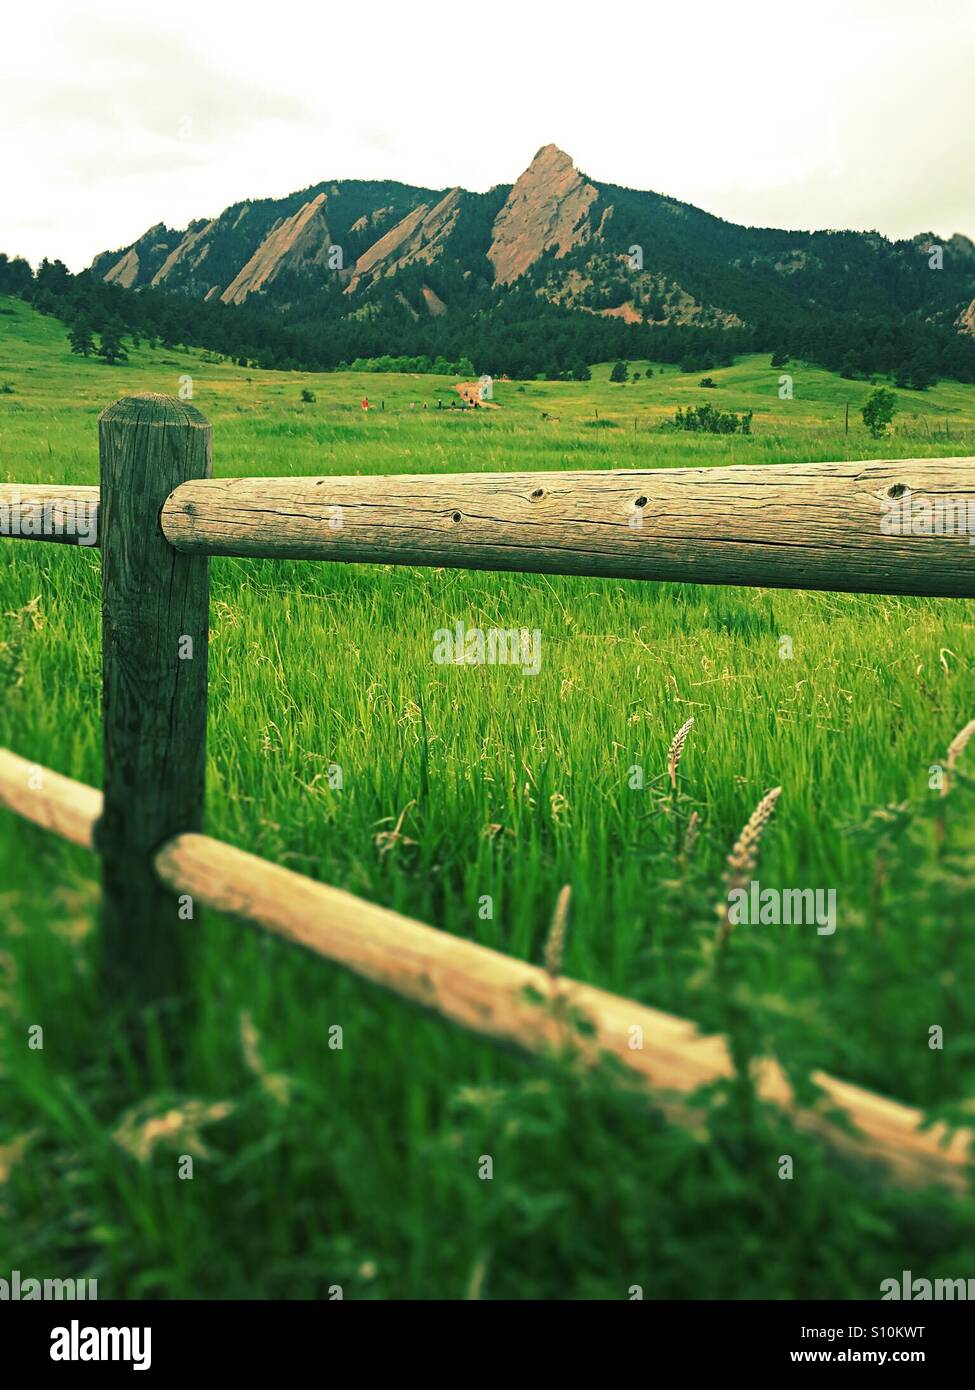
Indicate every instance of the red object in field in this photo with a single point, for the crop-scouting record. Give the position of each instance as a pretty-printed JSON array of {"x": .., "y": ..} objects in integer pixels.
[{"x": 365, "y": 402}]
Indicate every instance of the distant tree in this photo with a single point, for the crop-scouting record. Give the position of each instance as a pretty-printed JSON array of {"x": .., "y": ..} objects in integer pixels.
[
  {"x": 16, "y": 276},
  {"x": 648, "y": 373},
  {"x": 53, "y": 275},
  {"x": 780, "y": 359},
  {"x": 111, "y": 347},
  {"x": 580, "y": 372},
  {"x": 307, "y": 396},
  {"x": 44, "y": 301},
  {"x": 879, "y": 411},
  {"x": 917, "y": 374},
  {"x": 708, "y": 381},
  {"x": 636, "y": 376},
  {"x": 698, "y": 362},
  {"x": 81, "y": 340},
  {"x": 620, "y": 372}
]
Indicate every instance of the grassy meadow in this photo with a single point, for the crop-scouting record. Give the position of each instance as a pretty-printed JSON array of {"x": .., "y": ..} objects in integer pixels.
[{"x": 317, "y": 1166}]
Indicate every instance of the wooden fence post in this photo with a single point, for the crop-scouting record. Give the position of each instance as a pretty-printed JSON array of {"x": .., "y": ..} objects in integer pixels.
[{"x": 155, "y": 616}]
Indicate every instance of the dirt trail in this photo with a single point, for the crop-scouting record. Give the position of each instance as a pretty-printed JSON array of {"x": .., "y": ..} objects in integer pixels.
[{"x": 469, "y": 392}]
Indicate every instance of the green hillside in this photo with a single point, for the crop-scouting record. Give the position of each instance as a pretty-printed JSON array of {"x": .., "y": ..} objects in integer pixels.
[{"x": 42, "y": 373}]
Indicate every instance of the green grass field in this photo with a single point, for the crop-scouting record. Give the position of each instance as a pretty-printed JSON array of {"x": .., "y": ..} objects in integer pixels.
[{"x": 317, "y": 1166}]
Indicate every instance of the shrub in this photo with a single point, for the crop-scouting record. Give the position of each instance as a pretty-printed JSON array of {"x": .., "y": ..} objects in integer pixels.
[{"x": 708, "y": 420}]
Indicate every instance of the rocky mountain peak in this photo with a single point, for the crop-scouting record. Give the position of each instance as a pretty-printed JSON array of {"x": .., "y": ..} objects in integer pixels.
[{"x": 548, "y": 206}]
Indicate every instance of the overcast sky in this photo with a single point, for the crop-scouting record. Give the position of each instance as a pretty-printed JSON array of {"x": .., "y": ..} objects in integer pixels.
[{"x": 858, "y": 114}]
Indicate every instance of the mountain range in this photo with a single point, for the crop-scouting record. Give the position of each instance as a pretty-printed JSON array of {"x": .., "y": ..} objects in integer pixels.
[
  {"x": 364, "y": 250},
  {"x": 536, "y": 278}
]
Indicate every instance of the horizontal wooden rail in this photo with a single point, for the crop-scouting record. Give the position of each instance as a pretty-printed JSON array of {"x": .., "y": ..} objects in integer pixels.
[
  {"x": 65, "y": 514},
  {"x": 495, "y": 995},
  {"x": 59, "y": 804},
  {"x": 846, "y": 527},
  {"x": 830, "y": 526}
]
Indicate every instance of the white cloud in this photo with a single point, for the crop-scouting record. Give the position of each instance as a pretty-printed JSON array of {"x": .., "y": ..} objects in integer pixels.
[{"x": 843, "y": 114}]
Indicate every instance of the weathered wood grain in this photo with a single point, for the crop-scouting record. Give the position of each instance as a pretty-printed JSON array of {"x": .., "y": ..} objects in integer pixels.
[
  {"x": 44, "y": 512},
  {"x": 155, "y": 602},
  {"x": 800, "y": 526}
]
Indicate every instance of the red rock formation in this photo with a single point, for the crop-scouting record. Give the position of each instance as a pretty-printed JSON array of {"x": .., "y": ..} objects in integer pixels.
[
  {"x": 298, "y": 241},
  {"x": 547, "y": 207},
  {"x": 193, "y": 247},
  {"x": 418, "y": 237},
  {"x": 124, "y": 272}
]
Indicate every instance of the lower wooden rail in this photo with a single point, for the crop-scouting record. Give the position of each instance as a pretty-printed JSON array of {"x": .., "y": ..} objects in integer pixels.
[{"x": 508, "y": 1000}]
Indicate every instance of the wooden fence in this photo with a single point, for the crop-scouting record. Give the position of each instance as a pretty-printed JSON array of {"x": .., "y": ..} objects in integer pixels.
[{"x": 158, "y": 516}]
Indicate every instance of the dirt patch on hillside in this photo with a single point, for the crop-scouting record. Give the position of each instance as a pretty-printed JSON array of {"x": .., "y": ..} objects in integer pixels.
[
  {"x": 433, "y": 302},
  {"x": 470, "y": 392},
  {"x": 628, "y": 312}
]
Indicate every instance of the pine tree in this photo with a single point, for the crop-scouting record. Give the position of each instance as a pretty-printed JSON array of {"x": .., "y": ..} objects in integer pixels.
[
  {"x": 112, "y": 348},
  {"x": 81, "y": 340}
]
